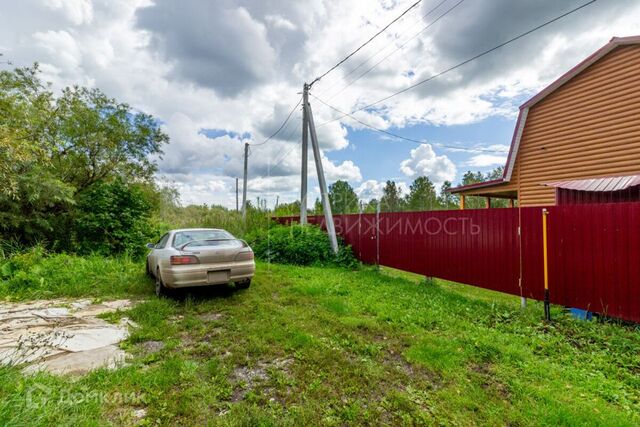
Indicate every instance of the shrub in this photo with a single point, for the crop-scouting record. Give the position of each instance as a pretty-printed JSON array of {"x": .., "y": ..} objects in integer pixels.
[
  {"x": 38, "y": 274},
  {"x": 113, "y": 219},
  {"x": 300, "y": 245}
]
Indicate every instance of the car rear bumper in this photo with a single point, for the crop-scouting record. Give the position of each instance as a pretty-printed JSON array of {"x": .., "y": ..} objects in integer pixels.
[{"x": 182, "y": 276}]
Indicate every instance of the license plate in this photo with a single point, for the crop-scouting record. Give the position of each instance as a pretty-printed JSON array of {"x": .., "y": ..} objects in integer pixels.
[{"x": 218, "y": 276}]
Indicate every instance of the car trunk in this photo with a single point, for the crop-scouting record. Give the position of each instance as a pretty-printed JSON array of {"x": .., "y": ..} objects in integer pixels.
[{"x": 219, "y": 252}]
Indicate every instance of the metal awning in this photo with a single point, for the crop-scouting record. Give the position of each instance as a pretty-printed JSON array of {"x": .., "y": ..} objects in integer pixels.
[{"x": 613, "y": 183}]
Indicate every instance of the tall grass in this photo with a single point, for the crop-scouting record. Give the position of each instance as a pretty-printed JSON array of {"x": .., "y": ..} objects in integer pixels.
[
  {"x": 216, "y": 217},
  {"x": 36, "y": 274}
]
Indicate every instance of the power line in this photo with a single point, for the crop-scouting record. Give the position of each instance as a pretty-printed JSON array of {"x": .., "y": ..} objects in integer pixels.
[
  {"x": 486, "y": 52},
  {"x": 292, "y": 121},
  {"x": 420, "y": 19},
  {"x": 281, "y": 126},
  {"x": 453, "y": 147},
  {"x": 365, "y": 43},
  {"x": 368, "y": 70},
  {"x": 286, "y": 154}
]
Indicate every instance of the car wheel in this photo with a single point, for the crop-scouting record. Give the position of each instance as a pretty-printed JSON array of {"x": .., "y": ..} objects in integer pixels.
[
  {"x": 244, "y": 284},
  {"x": 161, "y": 289}
]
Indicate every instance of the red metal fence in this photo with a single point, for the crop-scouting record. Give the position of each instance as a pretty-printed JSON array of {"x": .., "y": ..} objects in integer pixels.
[{"x": 594, "y": 250}]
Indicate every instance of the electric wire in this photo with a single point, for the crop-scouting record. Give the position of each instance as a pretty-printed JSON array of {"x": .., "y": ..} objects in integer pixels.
[
  {"x": 451, "y": 147},
  {"x": 420, "y": 19},
  {"x": 368, "y": 70},
  {"x": 346, "y": 58},
  {"x": 473, "y": 58},
  {"x": 281, "y": 126}
]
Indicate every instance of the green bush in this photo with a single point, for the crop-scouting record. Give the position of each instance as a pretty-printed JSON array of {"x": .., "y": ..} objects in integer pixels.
[
  {"x": 38, "y": 274},
  {"x": 300, "y": 245},
  {"x": 113, "y": 219}
]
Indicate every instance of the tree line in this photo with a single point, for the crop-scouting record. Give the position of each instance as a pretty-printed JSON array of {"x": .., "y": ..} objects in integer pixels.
[
  {"x": 77, "y": 169},
  {"x": 422, "y": 196}
]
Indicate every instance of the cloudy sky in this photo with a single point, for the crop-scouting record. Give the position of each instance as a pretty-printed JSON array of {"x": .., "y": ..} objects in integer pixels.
[{"x": 222, "y": 73}]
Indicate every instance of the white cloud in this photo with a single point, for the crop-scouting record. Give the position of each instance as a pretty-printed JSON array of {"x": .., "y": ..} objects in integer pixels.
[
  {"x": 370, "y": 189},
  {"x": 278, "y": 21},
  {"x": 217, "y": 65},
  {"x": 425, "y": 162},
  {"x": 77, "y": 11},
  {"x": 347, "y": 170},
  {"x": 60, "y": 46},
  {"x": 485, "y": 160}
]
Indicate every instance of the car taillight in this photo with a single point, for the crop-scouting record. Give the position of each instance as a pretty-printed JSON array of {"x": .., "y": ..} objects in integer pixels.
[
  {"x": 244, "y": 256},
  {"x": 184, "y": 260}
]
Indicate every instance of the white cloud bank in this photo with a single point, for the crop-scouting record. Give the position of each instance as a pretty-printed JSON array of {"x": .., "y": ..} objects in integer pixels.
[{"x": 237, "y": 69}]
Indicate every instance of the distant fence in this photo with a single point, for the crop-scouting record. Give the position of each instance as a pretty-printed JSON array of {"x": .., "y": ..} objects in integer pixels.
[{"x": 594, "y": 250}]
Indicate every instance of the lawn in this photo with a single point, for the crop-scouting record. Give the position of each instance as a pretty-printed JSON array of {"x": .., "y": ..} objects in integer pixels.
[{"x": 308, "y": 346}]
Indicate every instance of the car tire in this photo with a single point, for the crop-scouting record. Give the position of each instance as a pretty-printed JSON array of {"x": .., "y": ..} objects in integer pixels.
[
  {"x": 244, "y": 284},
  {"x": 161, "y": 289}
]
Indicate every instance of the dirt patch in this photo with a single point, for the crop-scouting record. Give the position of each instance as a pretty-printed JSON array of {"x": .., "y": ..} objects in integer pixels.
[
  {"x": 210, "y": 317},
  {"x": 150, "y": 347},
  {"x": 61, "y": 336},
  {"x": 490, "y": 382},
  {"x": 247, "y": 378}
]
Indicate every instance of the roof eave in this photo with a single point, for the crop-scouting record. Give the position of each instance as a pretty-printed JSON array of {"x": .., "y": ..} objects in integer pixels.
[
  {"x": 590, "y": 60},
  {"x": 484, "y": 184}
]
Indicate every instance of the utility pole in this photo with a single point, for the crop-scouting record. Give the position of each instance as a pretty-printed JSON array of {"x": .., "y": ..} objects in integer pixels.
[
  {"x": 244, "y": 181},
  {"x": 237, "y": 195},
  {"x": 305, "y": 148},
  {"x": 326, "y": 206}
]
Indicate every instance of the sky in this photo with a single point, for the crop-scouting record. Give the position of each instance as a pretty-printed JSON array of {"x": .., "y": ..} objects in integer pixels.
[{"x": 218, "y": 74}]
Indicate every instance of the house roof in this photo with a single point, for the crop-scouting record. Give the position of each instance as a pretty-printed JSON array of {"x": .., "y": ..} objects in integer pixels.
[
  {"x": 524, "y": 108},
  {"x": 611, "y": 183}
]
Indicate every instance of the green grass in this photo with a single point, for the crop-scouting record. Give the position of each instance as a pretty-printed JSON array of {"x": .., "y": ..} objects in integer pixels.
[
  {"x": 35, "y": 275},
  {"x": 309, "y": 346}
]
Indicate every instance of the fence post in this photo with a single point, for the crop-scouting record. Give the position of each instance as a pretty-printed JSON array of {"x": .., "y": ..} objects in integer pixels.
[
  {"x": 360, "y": 209},
  {"x": 547, "y": 308},
  {"x": 378, "y": 234}
]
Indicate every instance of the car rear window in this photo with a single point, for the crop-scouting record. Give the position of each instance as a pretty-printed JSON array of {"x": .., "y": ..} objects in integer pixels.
[{"x": 200, "y": 237}]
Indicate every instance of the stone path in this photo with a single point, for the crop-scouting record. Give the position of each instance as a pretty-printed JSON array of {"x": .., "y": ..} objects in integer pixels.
[{"x": 61, "y": 336}]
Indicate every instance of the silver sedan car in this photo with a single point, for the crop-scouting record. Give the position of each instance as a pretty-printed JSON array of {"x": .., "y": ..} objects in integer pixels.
[{"x": 199, "y": 257}]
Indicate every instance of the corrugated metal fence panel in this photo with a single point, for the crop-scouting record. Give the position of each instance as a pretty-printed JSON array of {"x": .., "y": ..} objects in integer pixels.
[
  {"x": 477, "y": 247},
  {"x": 594, "y": 250},
  {"x": 594, "y": 258},
  {"x": 531, "y": 255}
]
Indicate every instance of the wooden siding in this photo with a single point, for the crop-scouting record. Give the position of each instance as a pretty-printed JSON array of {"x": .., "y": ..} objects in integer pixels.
[{"x": 588, "y": 128}]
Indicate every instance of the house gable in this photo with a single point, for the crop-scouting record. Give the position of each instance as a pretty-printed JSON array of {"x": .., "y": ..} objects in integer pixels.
[{"x": 562, "y": 129}]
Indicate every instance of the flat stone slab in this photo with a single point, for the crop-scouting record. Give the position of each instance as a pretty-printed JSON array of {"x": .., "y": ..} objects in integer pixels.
[{"x": 61, "y": 336}]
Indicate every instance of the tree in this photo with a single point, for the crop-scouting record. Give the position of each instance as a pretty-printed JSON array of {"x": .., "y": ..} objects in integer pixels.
[
  {"x": 495, "y": 174},
  {"x": 97, "y": 138},
  {"x": 31, "y": 196},
  {"x": 54, "y": 148},
  {"x": 317, "y": 207},
  {"x": 342, "y": 198},
  {"x": 287, "y": 209},
  {"x": 473, "y": 202},
  {"x": 391, "y": 200},
  {"x": 446, "y": 199},
  {"x": 422, "y": 195},
  {"x": 371, "y": 206},
  {"x": 112, "y": 219},
  {"x": 472, "y": 178}
]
